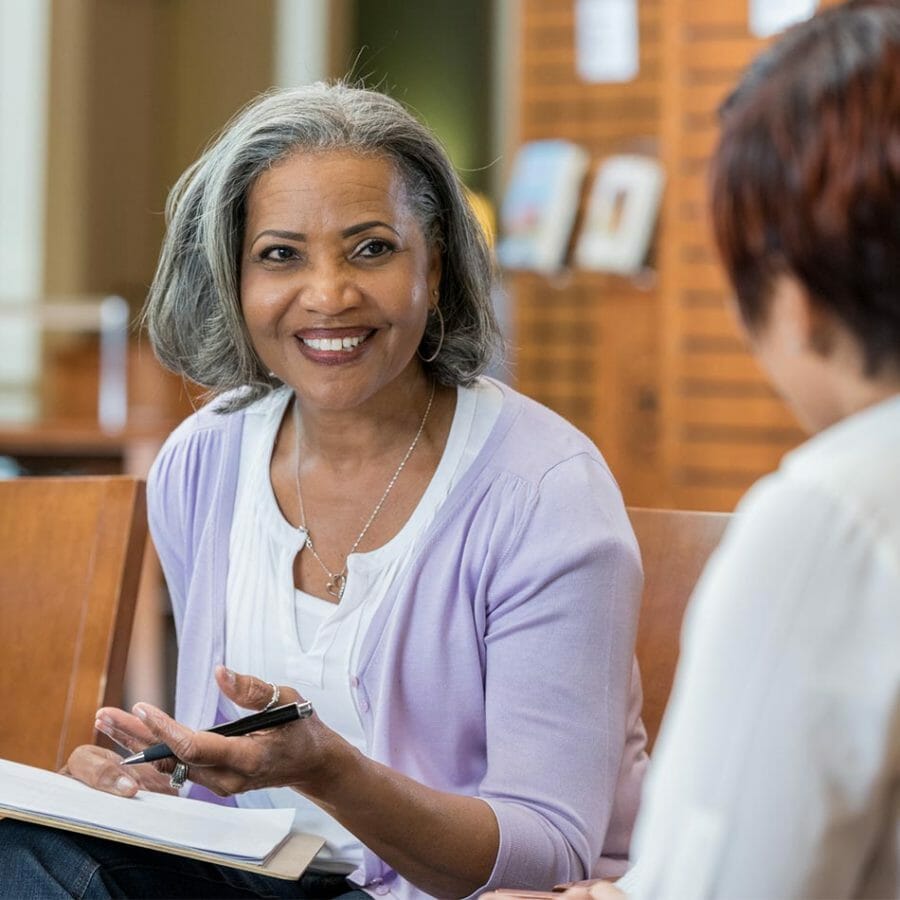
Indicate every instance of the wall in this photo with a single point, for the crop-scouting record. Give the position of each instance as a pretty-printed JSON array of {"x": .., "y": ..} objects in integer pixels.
[
  {"x": 587, "y": 344},
  {"x": 657, "y": 374},
  {"x": 137, "y": 89},
  {"x": 434, "y": 57}
]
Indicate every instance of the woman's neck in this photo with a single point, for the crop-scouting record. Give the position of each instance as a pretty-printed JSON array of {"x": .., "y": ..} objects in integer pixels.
[
  {"x": 862, "y": 393},
  {"x": 843, "y": 379},
  {"x": 381, "y": 426}
]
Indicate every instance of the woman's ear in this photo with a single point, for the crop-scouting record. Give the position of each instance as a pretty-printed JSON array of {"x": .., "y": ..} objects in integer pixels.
[
  {"x": 435, "y": 270},
  {"x": 789, "y": 314},
  {"x": 796, "y": 321},
  {"x": 809, "y": 325}
]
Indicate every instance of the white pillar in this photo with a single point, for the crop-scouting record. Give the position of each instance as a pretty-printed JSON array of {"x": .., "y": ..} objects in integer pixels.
[
  {"x": 301, "y": 42},
  {"x": 24, "y": 77}
]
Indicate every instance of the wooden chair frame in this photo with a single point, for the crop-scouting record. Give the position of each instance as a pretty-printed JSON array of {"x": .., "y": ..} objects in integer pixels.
[
  {"x": 675, "y": 546},
  {"x": 70, "y": 559}
]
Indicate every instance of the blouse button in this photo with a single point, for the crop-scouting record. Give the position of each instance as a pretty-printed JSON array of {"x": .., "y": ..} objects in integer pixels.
[
  {"x": 354, "y": 681},
  {"x": 364, "y": 705}
]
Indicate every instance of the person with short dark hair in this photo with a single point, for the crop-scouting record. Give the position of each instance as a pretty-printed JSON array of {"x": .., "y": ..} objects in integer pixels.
[
  {"x": 777, "y": 769},
  {"x": 444, "y": 568}
]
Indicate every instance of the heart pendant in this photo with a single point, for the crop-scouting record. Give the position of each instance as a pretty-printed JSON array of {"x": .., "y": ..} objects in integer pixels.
[{"x": 335, "y": 585}]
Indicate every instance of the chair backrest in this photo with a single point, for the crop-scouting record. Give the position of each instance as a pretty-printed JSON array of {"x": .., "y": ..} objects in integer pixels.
[
  {"x": 675, "y": 545},
  {"x": 70, "y": 560}
]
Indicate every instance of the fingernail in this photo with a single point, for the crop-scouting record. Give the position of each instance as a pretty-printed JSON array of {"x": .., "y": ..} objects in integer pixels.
[
  {"x": 141, "y": 712},
  {"x": 104, "y": 720},
  {"x": 124, "y": 784},
  {"x": 229, "y": 675}
]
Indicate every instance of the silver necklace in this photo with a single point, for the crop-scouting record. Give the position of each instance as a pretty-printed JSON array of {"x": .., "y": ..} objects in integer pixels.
[{"x": 337, "y": 581}]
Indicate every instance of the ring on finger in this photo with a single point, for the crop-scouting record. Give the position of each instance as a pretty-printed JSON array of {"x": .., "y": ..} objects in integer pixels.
[
  {"x": 179, "y": 776},
  {"x": 276, "y": 696}
]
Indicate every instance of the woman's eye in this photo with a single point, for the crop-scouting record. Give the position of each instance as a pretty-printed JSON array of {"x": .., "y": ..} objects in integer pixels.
[
  {"x": 278, "y": 254},
  {"x": 373, "y": 248}
]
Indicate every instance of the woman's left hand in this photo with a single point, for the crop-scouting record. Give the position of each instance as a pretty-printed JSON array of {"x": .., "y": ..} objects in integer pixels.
[
  {"x": 290, "y": 755},
  {"x": 598, "y": 890}
]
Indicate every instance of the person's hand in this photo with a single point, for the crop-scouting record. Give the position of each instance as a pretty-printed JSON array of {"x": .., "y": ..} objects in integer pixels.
[
  {"x": 600, "y": 890},
  {"x": 521, "y": 894},
  {"x": 102, "y": 769},
  {"x": 302, "y": 752}
]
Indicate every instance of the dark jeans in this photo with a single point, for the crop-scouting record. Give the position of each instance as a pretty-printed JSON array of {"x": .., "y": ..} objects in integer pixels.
[{"x": 38, "y": 863}]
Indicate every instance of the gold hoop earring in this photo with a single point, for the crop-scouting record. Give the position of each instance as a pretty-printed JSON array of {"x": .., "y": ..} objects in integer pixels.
[{"x": 440, "y": 346}]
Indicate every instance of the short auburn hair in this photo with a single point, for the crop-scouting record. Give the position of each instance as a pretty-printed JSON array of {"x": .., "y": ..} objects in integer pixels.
[{"x": 806, "y": 176}]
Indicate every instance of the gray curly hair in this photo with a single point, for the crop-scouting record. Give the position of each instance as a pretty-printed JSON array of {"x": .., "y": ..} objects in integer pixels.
[{"x": 193, "y": 311}]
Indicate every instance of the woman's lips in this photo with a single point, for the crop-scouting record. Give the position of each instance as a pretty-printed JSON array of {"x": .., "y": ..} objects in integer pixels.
[{"x": 333, "y": 345}]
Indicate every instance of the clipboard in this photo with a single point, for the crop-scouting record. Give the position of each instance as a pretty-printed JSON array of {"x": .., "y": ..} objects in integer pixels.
[{"x": 288, "y": 860}]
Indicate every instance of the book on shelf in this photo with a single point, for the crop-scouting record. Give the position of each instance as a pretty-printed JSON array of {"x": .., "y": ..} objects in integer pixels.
[
  {"x": 258, "y": 840},
  {"x": 540, "y": 205},
  {"x": 620, "y": 215}
]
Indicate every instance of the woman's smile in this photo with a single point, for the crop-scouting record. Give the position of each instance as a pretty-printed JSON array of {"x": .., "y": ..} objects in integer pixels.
[{"x": 333, "y": 346}]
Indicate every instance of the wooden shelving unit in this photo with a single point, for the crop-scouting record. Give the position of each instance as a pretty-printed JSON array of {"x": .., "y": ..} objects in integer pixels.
[{"x": 657, "y": 374}]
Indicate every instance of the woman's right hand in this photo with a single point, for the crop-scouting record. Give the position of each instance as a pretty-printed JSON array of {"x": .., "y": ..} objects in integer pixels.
[{"x": 102, "y": 769}]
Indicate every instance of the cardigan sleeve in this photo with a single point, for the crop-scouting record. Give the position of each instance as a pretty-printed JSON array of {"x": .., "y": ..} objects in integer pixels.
[
  {"x": 559, "y": 644},
  {"x": 166, "y": 517},
  {"x": 190, "y": 490}
]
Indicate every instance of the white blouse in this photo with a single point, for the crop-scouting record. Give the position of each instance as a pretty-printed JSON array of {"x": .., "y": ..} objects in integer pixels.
[
  {"x": 290, "y": 637},
  {"x": 777, "y": 771}
]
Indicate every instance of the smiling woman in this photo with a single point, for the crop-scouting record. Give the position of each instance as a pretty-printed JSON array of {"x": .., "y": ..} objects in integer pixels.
[
  {"x": 337, "y": 280},
  {"x": 360, "y": 518}
]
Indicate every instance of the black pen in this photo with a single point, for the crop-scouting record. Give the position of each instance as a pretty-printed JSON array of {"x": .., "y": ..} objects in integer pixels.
[{"x": 268, "y": 718}]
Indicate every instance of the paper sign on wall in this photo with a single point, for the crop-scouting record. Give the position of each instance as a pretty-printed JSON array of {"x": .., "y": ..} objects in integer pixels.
[
  {"x": 606, "y": 40},
  {"x": 768, "y": 17}
]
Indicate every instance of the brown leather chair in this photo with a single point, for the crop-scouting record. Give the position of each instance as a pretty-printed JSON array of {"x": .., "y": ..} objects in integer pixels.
[
  {"x": 675, "y": 545},
  {"x": 70, "y": 560}
]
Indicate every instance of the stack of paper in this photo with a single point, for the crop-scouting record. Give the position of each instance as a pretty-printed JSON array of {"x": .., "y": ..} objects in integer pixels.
[{"x": 247, "y": 836}]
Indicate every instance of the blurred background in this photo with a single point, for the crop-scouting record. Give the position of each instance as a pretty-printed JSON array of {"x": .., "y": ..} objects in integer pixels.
[{"x": 103, "y": 103}]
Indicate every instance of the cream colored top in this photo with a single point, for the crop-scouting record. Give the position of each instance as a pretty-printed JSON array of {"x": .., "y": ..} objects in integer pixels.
[{"x": 777, "y": 771}]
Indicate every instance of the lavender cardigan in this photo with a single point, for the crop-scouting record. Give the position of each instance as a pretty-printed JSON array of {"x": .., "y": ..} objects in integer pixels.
[{"x": 503, "y": 668}]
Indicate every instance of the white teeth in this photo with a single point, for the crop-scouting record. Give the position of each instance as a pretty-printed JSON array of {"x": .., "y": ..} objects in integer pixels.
[{"x": 347, "y": 343}]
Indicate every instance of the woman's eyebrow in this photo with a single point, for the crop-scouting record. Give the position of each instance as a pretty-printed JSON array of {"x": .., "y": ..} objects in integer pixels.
[
  {"x": 347, "y": 232},
  {"x": 365, "y": 226},
  {"x": 287, "y": 235}
]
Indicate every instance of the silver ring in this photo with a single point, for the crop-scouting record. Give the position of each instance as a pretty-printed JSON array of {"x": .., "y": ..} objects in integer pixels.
[
  {"x": 179, "y": 776},
  {"x": 276, "y": 696}
]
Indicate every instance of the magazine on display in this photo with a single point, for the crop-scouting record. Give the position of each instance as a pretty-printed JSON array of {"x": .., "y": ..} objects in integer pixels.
[
  {"x": 540, "y": 205},
  {"x": 620, "y": 216}
]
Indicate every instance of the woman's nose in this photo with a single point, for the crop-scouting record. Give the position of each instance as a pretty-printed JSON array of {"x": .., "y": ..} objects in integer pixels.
[{"x": 329, "y": 290}]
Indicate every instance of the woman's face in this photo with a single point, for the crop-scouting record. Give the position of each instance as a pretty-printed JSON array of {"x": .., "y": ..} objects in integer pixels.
[
  {"x": 336, "y": 278},
  {"x": 784, "y": 347}
]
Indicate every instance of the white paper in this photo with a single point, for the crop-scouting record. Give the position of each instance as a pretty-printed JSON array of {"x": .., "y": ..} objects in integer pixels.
[
  {"x": 243, "y": 834},
  {"x": 621, "y": 214},
  {"x": 768, "y": 17},
  {"x": 606, "y": 40}
]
